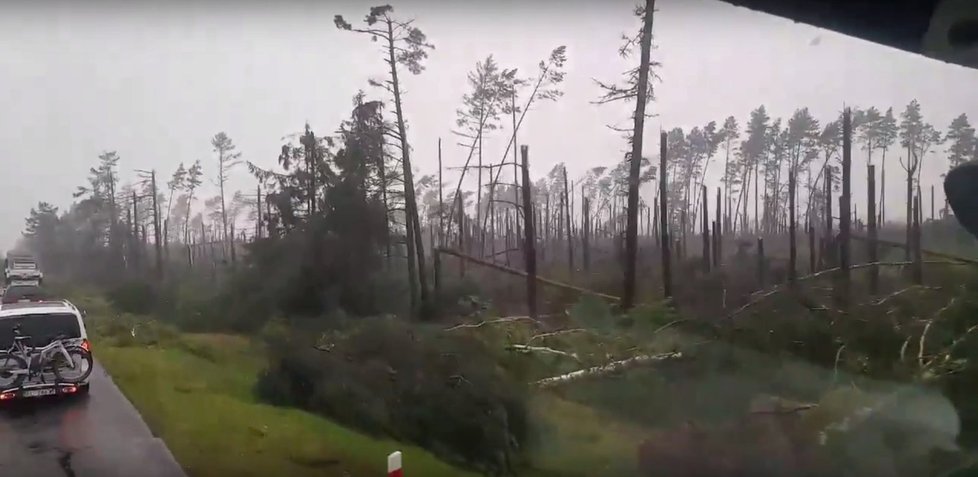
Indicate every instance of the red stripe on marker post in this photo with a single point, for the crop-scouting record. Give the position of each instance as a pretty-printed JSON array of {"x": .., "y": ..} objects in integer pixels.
[{"x": 394, "y": 465}]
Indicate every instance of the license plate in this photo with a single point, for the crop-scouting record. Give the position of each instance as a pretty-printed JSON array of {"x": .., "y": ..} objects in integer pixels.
[{"x": 40, "y": 392}]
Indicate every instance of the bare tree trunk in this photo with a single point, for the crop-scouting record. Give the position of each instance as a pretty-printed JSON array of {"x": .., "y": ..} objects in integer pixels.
[
  {"x": 544, "y": 255},
  {"x": 631, "y": 232},
  {"x": 757, "y": 226},
  {"x": 492, "y": 217},
  {"x": 436, "y": 257},
  {"x": 761, "y": 263},
  {"x": 911, "y": 163},
  {"x": 918, "y": 262},
  {"x": 382, "y": 171},
  {"x": 461, "y": 234},
  {"x": 663, "y": 218},
  {"x": 706, "y": 231},
  {"x": 792, "y": 239},
  {"x": 157, "y": 233},
  {"x": 136, "y": 250},
  {"x": 478, "y": 203},
  {"x": 932, "y": 202},
  {"x": 221, "y": 179},
  {"x": 828, "y": 254},
  {"x": 586, "y": 233},
  {"x": 716, "y": 244},
  {"x": 416, "y": 266},
  {"x": 530, "y": 245},
  {"x": 872, "y": 250},
  {"x": 570, "y": 233},
  {"x": 812, "y": 268},
  {"x": 655, "y": 222},
  {"x": 258, "y": 217},
  {"x": 516, "y": 161},
  {"x": 845, "y": 215},
  {"x": 718, "y": 232},
  {"x": 882, "y": 220},
  {"x": 441, "y": 201}
]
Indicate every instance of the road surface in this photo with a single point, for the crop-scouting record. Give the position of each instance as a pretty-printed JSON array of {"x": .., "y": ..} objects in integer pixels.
[{"x": 100, "y": 435}]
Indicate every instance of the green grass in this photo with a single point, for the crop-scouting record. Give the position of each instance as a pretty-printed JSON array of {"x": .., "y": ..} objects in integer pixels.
[
  {"x": 196, "y": 395},
  {"x": 576, "y": 440},
  {"x": 195, "y": 392}
]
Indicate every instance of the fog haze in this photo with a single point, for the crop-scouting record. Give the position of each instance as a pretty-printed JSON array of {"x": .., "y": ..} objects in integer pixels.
[{"x": 155, "y": 82}]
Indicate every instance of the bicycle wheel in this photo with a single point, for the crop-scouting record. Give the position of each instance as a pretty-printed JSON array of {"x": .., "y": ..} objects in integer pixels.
[
  {"x": 13, "y": 371},
  {"x": 77, "y": 370}
]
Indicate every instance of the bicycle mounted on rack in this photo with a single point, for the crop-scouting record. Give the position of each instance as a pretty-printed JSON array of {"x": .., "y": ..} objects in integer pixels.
[{"x": 23, "y": 361}]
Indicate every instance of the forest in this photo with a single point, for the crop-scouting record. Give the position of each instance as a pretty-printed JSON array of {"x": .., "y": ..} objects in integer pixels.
[{"x": 433, "y": 307}]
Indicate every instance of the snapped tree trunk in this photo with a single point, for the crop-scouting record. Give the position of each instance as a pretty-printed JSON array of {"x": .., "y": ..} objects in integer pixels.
[
  {"x": 663, "y": 218},
  {"x": 530, "y": 245},
  {"x": 157, "y": 233},
  {"x": 706, "y": 232},
  {"x": 845, "y": 214},
  {"x": 871, "y": 244},
  {"x": 631, "y": 232},
  {"x": 567, "y": 226}
]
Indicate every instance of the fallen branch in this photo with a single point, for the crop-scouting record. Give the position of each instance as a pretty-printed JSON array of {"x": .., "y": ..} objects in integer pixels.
[
  {"x": 543, "y": 336},
  {"x": 495, "y": 321},
  {"x": 900, "y": 292},
  {"x": 520, "y": 273},
  {"x": 542, "y": 349},
  {"x": 603, "y": 370},
  {"x": 923, "y": 334}
]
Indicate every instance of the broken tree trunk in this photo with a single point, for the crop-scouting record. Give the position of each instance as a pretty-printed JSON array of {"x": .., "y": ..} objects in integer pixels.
[
  {"x": 706, "y": 232},
  {"x": 812, "y": 260},
  {"x": 828, "y": 251},
  {"x": 604, "y": 370},
  {"x": 845, "y": 215},
  {"x": 536, "y": 278},
  {"x": 718, "y": 233},
  {"x": 586, "y": 234},
  {"x": 461, "y": 234},
  {"x": 567, "y": 226},
  {"x": 530, "y": 251},
  {"x": 792, "y": 239},
  {"x": 761, "y": 263},
  {"x": 918, "y": 262},
  {"x": 871, "y": 245},
  {"x": 663, "y": 213},
  {"x": 716, "y": 242}
]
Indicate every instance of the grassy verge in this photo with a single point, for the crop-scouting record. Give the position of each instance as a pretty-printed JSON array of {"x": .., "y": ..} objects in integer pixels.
[
  {"x": 195, "y": 392},
  {"x": 196, "y": 395}
]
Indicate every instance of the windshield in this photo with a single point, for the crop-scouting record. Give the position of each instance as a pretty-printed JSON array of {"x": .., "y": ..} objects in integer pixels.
[{"x": 593, "y": 238}]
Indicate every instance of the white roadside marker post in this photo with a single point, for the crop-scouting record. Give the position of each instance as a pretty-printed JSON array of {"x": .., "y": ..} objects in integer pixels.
[{"x": 394, "y": 468}]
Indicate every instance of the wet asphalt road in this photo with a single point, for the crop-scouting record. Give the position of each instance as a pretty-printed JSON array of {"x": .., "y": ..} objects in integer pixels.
[{"x": 99, "y": 435}]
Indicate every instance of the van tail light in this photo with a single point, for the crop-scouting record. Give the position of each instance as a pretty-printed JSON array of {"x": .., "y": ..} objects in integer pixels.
[
  {"x": 86, "y": 345},
  {"x": 7, "y": 396}
]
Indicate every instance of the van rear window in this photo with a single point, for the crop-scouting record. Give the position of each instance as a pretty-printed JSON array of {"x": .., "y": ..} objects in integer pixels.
[{"x": 41, "y": 327}]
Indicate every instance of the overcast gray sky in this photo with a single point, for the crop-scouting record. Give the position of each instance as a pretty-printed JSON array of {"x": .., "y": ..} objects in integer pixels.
[{"x": 154, "y": 81}]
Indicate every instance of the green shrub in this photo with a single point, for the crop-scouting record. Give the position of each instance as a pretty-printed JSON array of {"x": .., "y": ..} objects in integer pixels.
[
  {"x": 134, "y": 296},
  {"x": 126, "y": 329},
  {"x": 385, "y": 376}
]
